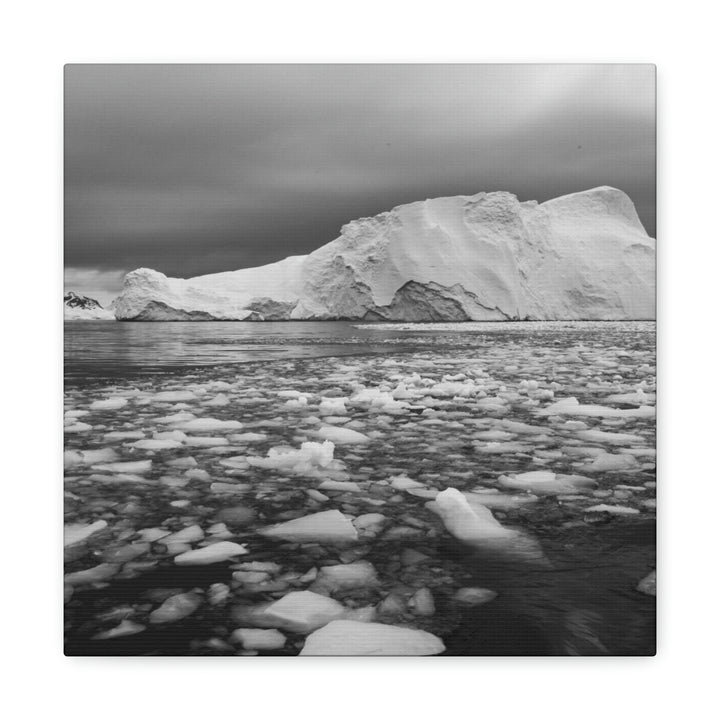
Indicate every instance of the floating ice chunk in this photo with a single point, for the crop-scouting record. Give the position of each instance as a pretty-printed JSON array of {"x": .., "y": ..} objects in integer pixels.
[
  {"x": 218, "y": 552},
  {"x": 154, "y": 444},
  {"x": 639, "y": 397},
  {"x": 358, "y": 574},
  {"x": 613, "y": 509},
  {"x": 178, "y": 435},
  {"x": 341, "y": 485},
  {"x": 648, "y": 584},
  {"x": 499, "y": 501},
  {"x": 152, "y": 534},
  {"x": 76, "y": 413},
  {"x": 182, "y": 462},
  {"x": 608, "y": 462},
  {"x": 328, "y": 526},
  {"x": 77, "y": 428},
  {"x": 220, "y": 400},
  {"x": 403, "y": 482},
  {"x": 77, "y": 532},
  {"x": 113, "y": 403},
  {"x": 88, "y": 457},
  {"x": 311, "y": 455},
  {"x": 430, "y": 493},
  {"x": 474, "y": 596},
  {"x": 190, "y": 534},
  {"x": 522, "y": 428},
  {"x": 464, "y": 523},
  {"x": 224, "y": 488},
  {"x": 175, "y": 418},
  {"x": 369, "y": 524},
  {"x": 124, "y": 435},
  {"x": 545, "y": 482},
  {"x": 99, "y": 573},
  {"x": 205, "y": 441},
  {"x": 502, "y": 448},
  {"x": 173, "y": 396},
  {"x": 176, "y": 608},
  {"x": 256, "y": 639},
  {"x": 612, "y": 438},
  {"x": 342, "y": 436},
  {"x": 247, "y": 437},
  {"x": 133, "y": 467},
  {"x": 203, "y": 425},
  {"x": 303, "y": 611},
  {"x": 423, "y": 602},
  {"x": 349, "y": 637},
  {"x": 571, "y": 406},
  {"x": 126, "y": 627},
  {"x": 377, "y": 399},
  {"x": 333, "y": 406},
  {"x": 299, "y": 402}
]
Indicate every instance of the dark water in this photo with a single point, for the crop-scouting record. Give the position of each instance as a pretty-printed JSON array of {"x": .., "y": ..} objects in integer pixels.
[{"x": 582, "y": 601}]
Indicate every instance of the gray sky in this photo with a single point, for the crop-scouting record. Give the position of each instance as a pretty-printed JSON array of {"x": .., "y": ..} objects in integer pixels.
[{"x": 193, "y": 169}]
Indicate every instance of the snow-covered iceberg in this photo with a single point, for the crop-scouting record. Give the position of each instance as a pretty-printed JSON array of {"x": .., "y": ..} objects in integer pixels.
[
  {"x": 584, "y": 256},
  {"x": 81, "y": 307}
]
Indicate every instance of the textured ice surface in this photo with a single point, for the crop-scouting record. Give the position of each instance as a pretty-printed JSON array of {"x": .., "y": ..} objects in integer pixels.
[{"x": 477, "y": 257}]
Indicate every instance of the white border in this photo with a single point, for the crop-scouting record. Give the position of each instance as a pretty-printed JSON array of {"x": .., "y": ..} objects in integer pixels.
[{"x": 40, "y": 38}]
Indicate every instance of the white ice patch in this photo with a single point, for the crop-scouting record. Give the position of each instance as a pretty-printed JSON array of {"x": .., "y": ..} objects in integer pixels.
[
  {"x": 310, "y": 456},
  {"x": 330, "y": 526},
  {"x": 77, "y": 533},
  {"x": 349, "y": 637},
  {"x": 403, "y": 482},
  {"x": 342, "y": 436},
  {"x": 218, "y": 552},
  {"x": 206, "y": 425},
  {"x": 154, "y": 444},
  {"x": 613, "y": 509},
  {"x": 333, "y": 406},
  {"x": 113, "y": 403},
  {"x": 133, "y": 467},
  {"x": 545, "y": 482},
  {"x": 600, "y": 436},
  {"x": 571, "y": 406},
  {"x": 173, "y": 396}
]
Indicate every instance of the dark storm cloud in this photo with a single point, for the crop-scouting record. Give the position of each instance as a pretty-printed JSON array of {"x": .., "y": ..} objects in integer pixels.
[{"x": 197, "y": 169}]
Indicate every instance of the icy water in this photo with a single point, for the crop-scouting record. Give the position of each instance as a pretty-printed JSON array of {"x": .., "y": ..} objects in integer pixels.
[{"x": 181, "y": 436}]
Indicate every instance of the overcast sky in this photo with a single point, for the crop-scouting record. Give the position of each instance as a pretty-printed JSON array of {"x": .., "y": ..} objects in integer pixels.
[{"x": 193, "y": 169}]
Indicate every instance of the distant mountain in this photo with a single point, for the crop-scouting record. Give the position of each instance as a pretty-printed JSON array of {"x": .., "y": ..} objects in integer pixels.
[
  {"x": 488, "y": 256},
  {"x": 80, "y": 307}
]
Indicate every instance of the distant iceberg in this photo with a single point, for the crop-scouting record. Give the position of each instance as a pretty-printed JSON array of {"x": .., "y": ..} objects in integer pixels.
[
  {"x": 584, "y": 256},
  {"x": 80, "y": 307}
]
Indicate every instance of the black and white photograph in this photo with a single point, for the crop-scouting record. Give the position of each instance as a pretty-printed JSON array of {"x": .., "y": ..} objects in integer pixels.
[{"x": 359, "y": 359}]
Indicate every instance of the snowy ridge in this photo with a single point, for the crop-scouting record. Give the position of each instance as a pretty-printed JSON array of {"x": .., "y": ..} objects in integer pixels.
[
  {"x": 80, "y": 307},
  {"x": 584, "y": 256}
]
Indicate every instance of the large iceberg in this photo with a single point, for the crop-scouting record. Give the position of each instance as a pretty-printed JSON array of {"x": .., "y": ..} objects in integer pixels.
[{"x": 584, "y": 256}]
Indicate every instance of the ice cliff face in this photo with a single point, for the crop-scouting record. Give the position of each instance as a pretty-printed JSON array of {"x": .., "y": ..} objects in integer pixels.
[
  {"x": 80, "y": 307},
  {"x": 479, "y": 257}
]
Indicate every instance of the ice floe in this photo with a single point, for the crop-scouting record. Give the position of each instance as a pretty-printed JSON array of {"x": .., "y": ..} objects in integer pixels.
[
  {"x": 329, "y": 526},
  {"x": 348, "y": 637},
  {"x": 215, "y": 553}
]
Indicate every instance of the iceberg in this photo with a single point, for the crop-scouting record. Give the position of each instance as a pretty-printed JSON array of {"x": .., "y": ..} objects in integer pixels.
[
  {"x": 488, "y": 256},
  {"x": 81, "y": 307}
]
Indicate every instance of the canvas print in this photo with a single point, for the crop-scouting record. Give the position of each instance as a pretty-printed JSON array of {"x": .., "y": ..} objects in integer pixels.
[{"x": 359, "y": 360}]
